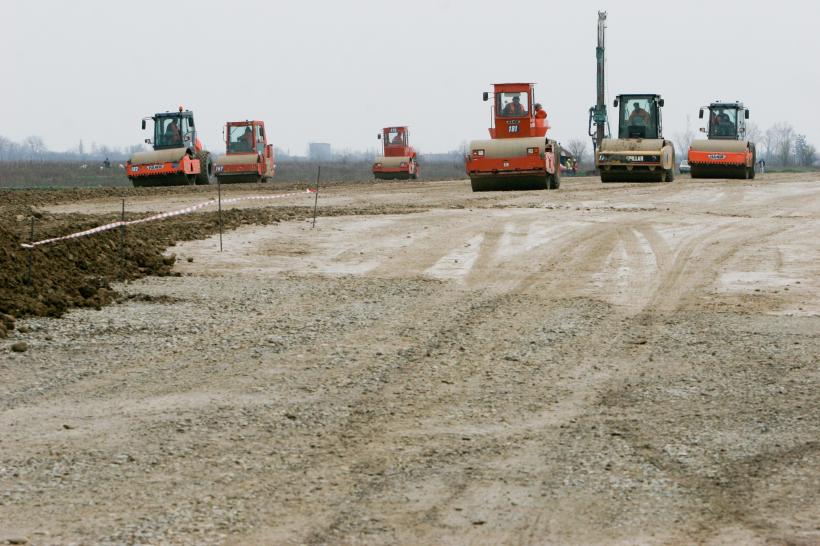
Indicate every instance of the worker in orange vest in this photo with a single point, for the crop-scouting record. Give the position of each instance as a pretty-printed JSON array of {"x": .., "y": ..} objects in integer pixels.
[
  {"x": 514, "y": 108},
  {"x": 540, "y": 115}
]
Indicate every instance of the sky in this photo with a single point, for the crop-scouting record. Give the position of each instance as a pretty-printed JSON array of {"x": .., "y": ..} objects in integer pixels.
[{"x": 339, "y": 71}]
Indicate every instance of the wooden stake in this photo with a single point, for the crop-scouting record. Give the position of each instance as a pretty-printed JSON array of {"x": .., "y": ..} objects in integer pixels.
[{"x": 316, "y": 197}]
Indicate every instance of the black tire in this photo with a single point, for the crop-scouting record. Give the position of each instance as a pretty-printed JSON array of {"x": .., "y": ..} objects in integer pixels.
[
  {"x": 205, "y": 168},
  {"x": 670, "y": 174},
  {"x": 751, "y": 175}
]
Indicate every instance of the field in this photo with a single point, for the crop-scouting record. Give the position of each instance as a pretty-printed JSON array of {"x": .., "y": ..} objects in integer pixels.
[
  {"x": 91, "y": 174},
  {"x": 602, "y": 364}
]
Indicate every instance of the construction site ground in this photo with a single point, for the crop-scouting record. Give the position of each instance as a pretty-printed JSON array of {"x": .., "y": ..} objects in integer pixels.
[{"x": 602, "y": 364}]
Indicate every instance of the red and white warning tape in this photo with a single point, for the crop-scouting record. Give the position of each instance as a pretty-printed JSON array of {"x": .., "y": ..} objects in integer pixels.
[{"x": 162, "y": 216}]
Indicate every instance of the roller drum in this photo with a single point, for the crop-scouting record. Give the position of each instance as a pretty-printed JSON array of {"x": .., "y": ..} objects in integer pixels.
[
  {"x": 158, "y": 156},
  {"x": 508, "y": 147}
]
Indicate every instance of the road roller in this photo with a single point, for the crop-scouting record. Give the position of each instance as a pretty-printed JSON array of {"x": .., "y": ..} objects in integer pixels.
[
  {"x": 178, "y": 157},
  {"x": 640, "y": 153},
  {"x": 248, "y": 156},
  {"x": 725, "y": 152},
  {"x": 518, "y": 155},
  {"x": 398, "y": 160}
]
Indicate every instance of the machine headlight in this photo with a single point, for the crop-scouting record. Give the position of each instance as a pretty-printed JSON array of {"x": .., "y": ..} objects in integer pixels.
[
  {"x": 532, "y": 151},
  {"x": 479, "y": 153}
]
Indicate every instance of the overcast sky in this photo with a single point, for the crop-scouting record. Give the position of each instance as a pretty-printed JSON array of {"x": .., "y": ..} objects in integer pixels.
[{"x": 338, "y": 71}]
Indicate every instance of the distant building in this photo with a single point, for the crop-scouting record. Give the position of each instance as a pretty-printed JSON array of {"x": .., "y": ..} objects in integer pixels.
[{"x": 319, "y": 151}]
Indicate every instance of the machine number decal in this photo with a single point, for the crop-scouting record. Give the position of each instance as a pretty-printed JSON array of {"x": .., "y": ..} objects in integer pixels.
[
  {"x": 512, "y": 128},
  {"x": 135, "y": 169}
]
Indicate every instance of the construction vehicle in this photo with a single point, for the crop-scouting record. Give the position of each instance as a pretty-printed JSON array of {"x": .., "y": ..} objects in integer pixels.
[
  {"x": 725, "y": 153},
  {"x": 248, "y": 156},
  {"x": 518, "y": 155},
  {"x": 178, "y": 157},
  {"x": 640, "y": 153},
  {"x": 399, "y": 160}
]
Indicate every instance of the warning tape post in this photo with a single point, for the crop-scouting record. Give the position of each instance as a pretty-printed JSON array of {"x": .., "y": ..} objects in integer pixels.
[{"x": 160, "y": 216}]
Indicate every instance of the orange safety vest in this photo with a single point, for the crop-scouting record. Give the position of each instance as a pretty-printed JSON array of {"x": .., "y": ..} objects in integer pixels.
[
  {"x": 515, "y": 109},
  {"x": 541, "y": 114}
]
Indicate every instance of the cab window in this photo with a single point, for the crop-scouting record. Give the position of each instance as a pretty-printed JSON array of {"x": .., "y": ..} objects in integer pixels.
[
  {"x": 394, "y": 137},
  {"x": 260, "y": 139},
  {"x": 168, "y": 132},
  {"x": 240, "y": 138},
  {"x": 187, "y": 130},
  {"x": 513, "y": 105},
  {"x": 639, "y": 118},
  {"x": 722, "y": 122}
]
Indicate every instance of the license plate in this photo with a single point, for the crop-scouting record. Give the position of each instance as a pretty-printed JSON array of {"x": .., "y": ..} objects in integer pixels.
[
  {"x": 717, "y": 156},
  {"x": 154, "y": 167}
]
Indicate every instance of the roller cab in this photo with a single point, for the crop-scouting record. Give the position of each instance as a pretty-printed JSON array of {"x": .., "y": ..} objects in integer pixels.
[
  {"x": 640, "y": 153},
  {"x": 399, "y": 160},
  {"x": 725, "y": 153},
  {"x": 248, "y": 156},
  {"x": 518, "y": 155},
  {"x": 177, "y": 158}
]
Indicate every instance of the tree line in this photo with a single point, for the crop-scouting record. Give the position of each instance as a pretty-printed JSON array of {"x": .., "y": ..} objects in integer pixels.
[{"x": 34, "y": 148}]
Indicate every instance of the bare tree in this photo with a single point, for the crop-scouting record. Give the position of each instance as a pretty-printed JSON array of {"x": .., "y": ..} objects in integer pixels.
[
  {"x": 805, "y": 153},
  {"x": 753, "y": 132},
  {"x": 783, "y": 142},
  {"x": 578, "y": 148},
  {"x": 779, "y": 141},
  {"x": 684, "y": 140},
  {"x": 8, "y": 149},
  {"x": 34, "y": 147}
]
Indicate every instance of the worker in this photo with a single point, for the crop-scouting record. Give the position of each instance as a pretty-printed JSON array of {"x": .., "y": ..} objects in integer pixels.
[
  {"x": 714, "y": 119},
  {"x": 514, "y": 108},
  {"x": 172, "y": 134},
  {"x": 540, "y": 115},
  {"x": 639, "y": 113},
  {"x": 397, "y": 139},
  {"x": 246, "y": 140},
  {"x": 725, "y": 125}
]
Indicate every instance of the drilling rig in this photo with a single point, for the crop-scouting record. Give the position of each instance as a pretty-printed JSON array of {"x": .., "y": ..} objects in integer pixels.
[{"x": 598, "y": 123}]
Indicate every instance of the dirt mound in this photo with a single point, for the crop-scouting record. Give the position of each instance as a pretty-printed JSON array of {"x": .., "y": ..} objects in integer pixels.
[{"x": 78, "y": 273}]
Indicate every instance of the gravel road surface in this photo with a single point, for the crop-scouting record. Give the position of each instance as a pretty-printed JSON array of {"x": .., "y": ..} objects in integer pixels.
[{"x": 602, "y": 364}]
